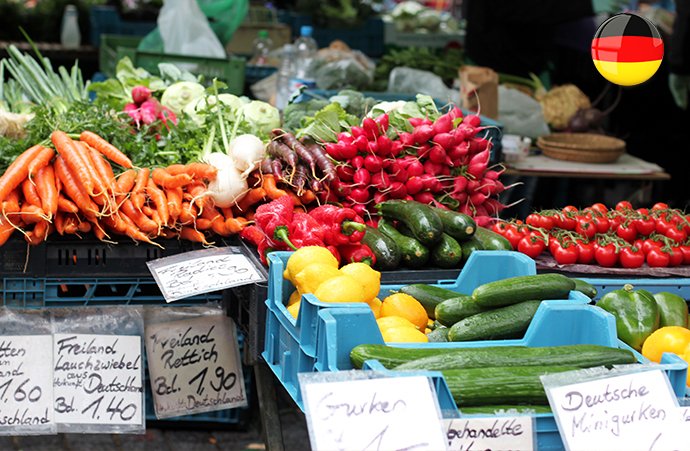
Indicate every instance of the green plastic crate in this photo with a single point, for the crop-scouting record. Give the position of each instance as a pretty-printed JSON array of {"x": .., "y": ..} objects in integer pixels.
[{"x": 113, "y": 48}]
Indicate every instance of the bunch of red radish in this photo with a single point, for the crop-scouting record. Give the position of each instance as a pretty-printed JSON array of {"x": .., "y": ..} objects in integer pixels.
[
  {"x": 444, "y": 163},
  {"x": 146, "y": 109}
]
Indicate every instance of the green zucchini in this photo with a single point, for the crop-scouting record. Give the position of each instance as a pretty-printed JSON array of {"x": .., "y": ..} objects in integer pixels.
[
  {"x": 491, "y": 240},
  {"x": 413, "y": 253},
  {"x": 438, "y": 335},
  {"x": 386, "y": 251},
  {"x": 523, "y": 288},
  {"x": 505, "y": 409},
  {"x": 447, "y": 253},
  {"x": 458, "y": 225},
  {"x": 585, "y": 288},
  {"x": 453, "y": 310},
  {"x": 420, "y": 218},
  {"x": 390, "y": 356},
  {"x": 429, "y": 296},
  {"x": 504, "y": 322},
  {"x": 500, "y": 385},
  {"x": 583, "y": 356},
  {"x": 469, "y": 246}
]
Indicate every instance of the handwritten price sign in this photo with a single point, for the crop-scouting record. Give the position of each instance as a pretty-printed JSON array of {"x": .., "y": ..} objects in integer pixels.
[
  {"x": 374, "y": 414},
  {"x": 487, "y": 434},
  {"x": 192, "y": 273},
  {"x": 98, "y": 379},
  {"x": 26, "y": 385},
  {"x": 194, "y": 366},
  {"x": 622, "y": 412}
]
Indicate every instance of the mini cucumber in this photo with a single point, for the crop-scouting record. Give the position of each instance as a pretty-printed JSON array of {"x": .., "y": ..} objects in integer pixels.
[
  {"x": 438, "y": 335},
  {"x": 429, "y": 296},
  {"x": 523, "y": 288},
  {"x": 413, "y": 253},
  {"x": 447, "y": 253},
  {"x": 453, "y": 310},
  {"x": 469, "y": 246},
  {"x": 491, "y": 240},
  {"x": 585, "y": 288},
  {"x": 386, "y": 251},
  {"x": 420, "y": 218},
  {"x": 458, "y": 225},
  {"x": 500, "y": 323}
]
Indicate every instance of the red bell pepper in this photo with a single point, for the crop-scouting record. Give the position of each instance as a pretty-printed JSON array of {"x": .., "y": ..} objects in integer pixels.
[
  {"x": 306, "y": 231},
  {"x": 357, "y": 253},
  {"x": 274, "y": 219},
  {"x": 341, "y": 225},
  {"x": 258, "y": 238}
]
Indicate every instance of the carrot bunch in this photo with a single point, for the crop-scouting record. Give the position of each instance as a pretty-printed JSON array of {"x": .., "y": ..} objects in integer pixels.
[{"x": 73, "y": 189}]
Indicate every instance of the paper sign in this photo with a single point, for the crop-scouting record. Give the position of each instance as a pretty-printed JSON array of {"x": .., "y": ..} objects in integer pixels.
[
  {"x": 375, "y": 414},
  {"x": 192, "y": 273},
  {"x": 615, "y": 413},
  {"x": 194, "y": 366},
  {"x": 98, "y": 379},
  {"x": 490, "y": 434},
  {"x": 26, "y": 384},
  {"x": 674, "y": 435}
]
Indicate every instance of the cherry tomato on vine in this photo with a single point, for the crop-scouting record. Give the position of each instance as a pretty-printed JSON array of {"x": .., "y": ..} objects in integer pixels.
[
  {"x": 645, "y": 226},
  {"x": 685, "y": 250},
  {"x": 533, "y": 219},
  {"x": 586, "y": 228},
  {"x": 675, "y": 257},
  {"x": 531, "y": 245},
  {"x": 500, "y": 227},
  {"x": 601, "y": 208},
  {"x": 602, "y": 224},
  {"x": 513, "y": 236},
  {"x": 657, "y": 258},
  {"x": 627, "y": 232},
  {"x": 569, "y": 209},
  {"x": 659, "y": 206},
  {"x": 623, "y": 205},
  {"x": 648, "y": 245},
  {"x": 643, "y": 211},
  {"x": 565, "y": 255},
  {"x": 546, "y": 222},
  {"x": 606, "y": 256},
  {"x": 585, "y": 252},
  {"x": 631, "y": 257},
  {"x": 676, "y": 235},
  {"x": 565, "y": 222}
]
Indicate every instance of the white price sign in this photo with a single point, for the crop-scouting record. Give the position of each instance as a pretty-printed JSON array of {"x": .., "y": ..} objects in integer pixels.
[
  {"x": 26, "y": 384},
  {"x": 373, "y": 414},
  {"x": 98, "y": 379},
  {"x": 194, "y": 366},
  {"x": 625, "y": 412},
  {"x": 490, "y": 434},
  {"x": 192, "y": 273}
]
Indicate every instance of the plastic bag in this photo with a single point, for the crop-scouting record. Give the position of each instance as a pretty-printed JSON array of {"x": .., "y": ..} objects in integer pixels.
[
  {"x": 520, "y": 114},
  {"x": 186, "y": 31},
  {"x": 413, "y": 81},
  {"x": 224, "y": 16},
  {"x": 339, "y": 67}
]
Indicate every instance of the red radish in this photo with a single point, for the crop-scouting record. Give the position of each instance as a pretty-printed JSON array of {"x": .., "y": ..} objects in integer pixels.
[
  {"x": 487, "y": 187},
  {"x": 165, "y": 115},
  {"x": 445, "y": 169},
  {"x": 396, "y": 148},
  {"x": 360, "y": 195},
  {"x": 460, "y": 197},
  {"x": 416, "y": 121},
  {"x": 479, "y": 144},
  {"x": 400, "y": 175},
  {"x": 380, "y": 180},
  {"x": 415, "y": 169},
  {"x": 425, "y": 197},
  {"x": 478, "y": 163},
  {"x": 437, "y": 155},
  {"x": 344, "y": 172},
  {"x": 384, "y": 145},
  {"x": 479, "y": 210},
  {"x": 149, "y": 111},
  {"x": 459, "y": 184},
  {"x": 423, "y": 150},
  {"x": 345, "y": 137},
  {"x": 445, "y": 140},
  {"x": 492, "y": 175},
  {"x": 334, "y": 151},
  {"x": 371, "y": 129},
  {"x": 340, "y": 188},
  {"x": 347, "y": 151},
  {"x": 455, "y": 112},
  {"x": 408, "y": 198},
  {"x": 407, "y": 139},
  {"x": 472, "y": 120},
  {"x": 362, "y": 177},
  {"x": 397, "y": 191},
  {"x": 357, "y": 132},
  {"x": 373, "y": 163},
  {"x": 483, "y": 221},
  {"x": 361, "y": 143},
  {"x": 436, "y": 186},
  {"x": 360, "y": 209},
  {"x": 422, "y": 134},
  {"x": 477, "y": 199},
  {"x": 432, "y": 168},
  {"x": 382, "y": 122},
  {"x": 133, "y": 112},
  {"x": 472, "y": 186},
  {"x": 443, "y": 124},
  {"x": 414, "y": 185},
  {"x": 373, "y": 221},
  {"x": 493, "y": 206},
  {"x": 357, "y": 162},
  {"x": 380, "y": 197},
  {"x": 373, "y": 147},
  {"x": 459, "y": 151},
  {"x": 140, "y": 94},
  {"x": 465, "y": 209},
  {"x": 465, "y": 132}
]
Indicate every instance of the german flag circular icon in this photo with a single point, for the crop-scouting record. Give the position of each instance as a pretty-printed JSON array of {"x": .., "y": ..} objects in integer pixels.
[{"x": 627, "y": 49}]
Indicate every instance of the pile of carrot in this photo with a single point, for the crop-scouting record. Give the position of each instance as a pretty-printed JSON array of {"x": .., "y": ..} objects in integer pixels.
[{"x": 72, "y": 189}]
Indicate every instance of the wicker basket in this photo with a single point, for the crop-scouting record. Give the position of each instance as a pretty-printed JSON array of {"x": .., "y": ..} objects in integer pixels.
[{"x": 582, "y": 147}]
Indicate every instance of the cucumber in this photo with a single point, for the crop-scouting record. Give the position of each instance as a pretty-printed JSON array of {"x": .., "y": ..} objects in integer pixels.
[
  {"x": 453, "y": 310},
  {"x": 389, "y": 356},
  {"x": 420, "y": 218},
  {"x": 491, "y": 240},
  {"x": 438, "y": 335},
  {"x": 447, "y": 253},
  {"x": 504, "y": 322},
  {"x": 523, "y": 288},
  {"x": 386, "y": 251},
  {"x": 585, "y": 288},
  {"x": 500, "y": 385},
  {"x": 469, "y": 246},
  {"x": 457, "y": 225},
  {"x": 505, "y": 409},
  {"x": 583, "y": 356},
  {"x": 413, "y": 253},
  {"x": 429, "y": 296}
]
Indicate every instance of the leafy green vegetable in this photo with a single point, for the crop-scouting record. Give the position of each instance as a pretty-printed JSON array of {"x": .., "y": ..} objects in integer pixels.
[
  {"x": 327, "y": 123},
  {"x": 294, "y": 113}
]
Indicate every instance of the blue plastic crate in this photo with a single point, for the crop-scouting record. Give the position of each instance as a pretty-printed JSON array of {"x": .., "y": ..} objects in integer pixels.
[
  {"x": 28, "y": 292},
  {"x": 106, "y": 20},
  {"x": 678, "y": 286},
  {"x": 321, "y": 338}
]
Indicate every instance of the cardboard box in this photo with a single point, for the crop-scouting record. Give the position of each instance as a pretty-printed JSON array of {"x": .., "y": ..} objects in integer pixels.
[{"x": 479, "y": 87}]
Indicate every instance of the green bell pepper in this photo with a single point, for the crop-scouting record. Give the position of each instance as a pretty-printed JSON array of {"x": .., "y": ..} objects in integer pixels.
[
  {"x": 637, "y": 314},
  {"x": 673, "y": 309}
]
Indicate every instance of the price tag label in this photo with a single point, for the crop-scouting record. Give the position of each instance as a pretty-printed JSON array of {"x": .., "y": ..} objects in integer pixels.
[
  {"x": 194, "y": 366},
  {"x": 374, "y": 414},
  {"x": 98, "y": 379},
  {"x": 614, "y": 413},
  {"x": 490, "y": 434},
  {"x": 192, "y": 273},
  {"x": 26, "y": 384}
]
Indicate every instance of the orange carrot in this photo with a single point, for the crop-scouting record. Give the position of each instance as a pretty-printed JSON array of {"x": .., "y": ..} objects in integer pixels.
[
  {"x": 269, "y": 184},
  {"x": 155, "y": 217},
  {"x": 59, "y": 222},
  {"x": 254, "y": 196},
  {"x": 195, "y": 170},
  {"x": 203, "y": 224},
  {"x": 17, "y": 171},
  {"x": 217, "y": 221},
  {"x": 141, "y": 181},
  {"x": 73, "y": 157},
  {"x": 76, "y": 192},
  {"x": 148, "y": 211},
  {"x": 84, "y": 227},
  {"x": 235, "y": 225},
  {"x": 190, "y": 234},
  {"x": 125, "y": 182},
  {"x": 43, "y": 158},
  {"x": 47, "y": 190},
  {"x": 250, "y": 215},
  {"x": 174, "y": 197},
  {"x": 138, "y": 200},
  {"x": 111, "y": 152},
  {"x": 38, "y": 234},
  {"x": 141, "y": 220},
  {"x": 32, "y": 214},
  {"x": 159, "y": 200},
  {"x": 6, "y": 230},
  {"x": 105, "y": 171},
  {"x": 99, "y": 183},
  {"x": 71, "y": 225},
  {"x": 307, "y": 197},
  {"x": 98, "y": 230},
  {"x": 30, "y": 193},
  {"x": 66, "y": 205},
  {"x": 187, "y": 214},
  {"x": 11, "y": 202},
  {"x": 163, "y": 179},
  {"x": 168, "y": 234}
]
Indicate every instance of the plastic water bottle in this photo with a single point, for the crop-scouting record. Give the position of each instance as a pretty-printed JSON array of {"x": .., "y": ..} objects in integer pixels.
[
  {"x": 70, "y": 37},
  {"x": 285, "y": 75},
  {"x": 262, "y": 47},
  {"x": 306, "y": 48}
]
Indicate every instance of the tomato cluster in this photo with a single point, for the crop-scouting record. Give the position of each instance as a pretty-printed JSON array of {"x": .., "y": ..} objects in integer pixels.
[{"x": 608, "y": 237}]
